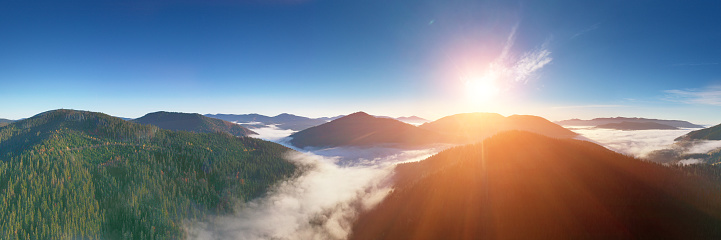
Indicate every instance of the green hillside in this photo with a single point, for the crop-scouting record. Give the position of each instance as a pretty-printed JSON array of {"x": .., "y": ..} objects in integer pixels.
[
  {"x": 192, "y": 122},
  {"x": 68, "y": 174}
]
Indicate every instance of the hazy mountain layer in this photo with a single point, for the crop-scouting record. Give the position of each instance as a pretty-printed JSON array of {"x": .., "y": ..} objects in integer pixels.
[
  {"x": 69, "y": 174},
  {"x": 192, "y": 122},
  {"x": 282, "y": 121},
  {"x": 362, "y": 129},
  {"x": 636, "y": 126},
  {"x": 601, "y": 121},
  {"x": 470, "y": 127},
  {"x": 519, "y": 185}
]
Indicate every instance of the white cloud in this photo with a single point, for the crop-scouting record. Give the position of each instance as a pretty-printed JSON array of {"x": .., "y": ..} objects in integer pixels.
[
  {"x": 697, "y": 64},
  {"x": 590, "y": 106},
  {"x": 530, "y": 63},
  {"x": 584, "y": 31},
  {"x": 653, "y": 145},
  {"x": 636, "y": 143},
  {"x": 321, "y": 204},
  {"x": 706, "y": 96},
  {"x": 690, "y": 161},
  {"x": 523, "y": 68},
  {"x": 271, "y": 133}
]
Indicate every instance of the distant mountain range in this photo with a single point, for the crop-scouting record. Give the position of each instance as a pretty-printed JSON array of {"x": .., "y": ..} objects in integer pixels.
[
  {"x": 192, "y": 122},
  {"x": 293, "y": 122},
  {"x": 520, "y": 185},
  {"x": 362, "y": 129},
  {"x": 470, "y": 127},
  {"x": 636, "y": 126},
  {"x": 602, "y": 121},
  {"x": 283, "y": 121}
]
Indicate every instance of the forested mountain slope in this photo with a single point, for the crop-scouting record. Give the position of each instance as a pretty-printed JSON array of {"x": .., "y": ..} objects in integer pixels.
[
  {"x": 519, "y": 185},
  {"x": 192, "y": 122},
  {"x": 68, "y": 174},
  {"x": 709, "y": 133}
]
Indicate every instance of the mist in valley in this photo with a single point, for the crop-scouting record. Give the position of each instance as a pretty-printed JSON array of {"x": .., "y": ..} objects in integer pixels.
[{"x": 321, "y": 203}]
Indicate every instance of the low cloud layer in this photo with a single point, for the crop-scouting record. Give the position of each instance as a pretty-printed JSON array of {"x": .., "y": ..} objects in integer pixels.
[
  {"x": 322, "y": 203},
  {"x": 653, "y": 145},
  {"x": 636, "y": 143},
  {"x": 271, "y": 133}
]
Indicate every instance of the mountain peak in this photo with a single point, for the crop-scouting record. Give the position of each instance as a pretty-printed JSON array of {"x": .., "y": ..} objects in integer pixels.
[{"x": 358, "y": 114}]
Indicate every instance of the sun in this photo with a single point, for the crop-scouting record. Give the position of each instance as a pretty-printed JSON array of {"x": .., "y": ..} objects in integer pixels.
[{"x": 482, "y": 89}]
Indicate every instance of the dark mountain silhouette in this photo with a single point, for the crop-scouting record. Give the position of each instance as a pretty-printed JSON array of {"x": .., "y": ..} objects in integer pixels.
[
  {"x": 710, "y": 133},
  {"x": 192, "y": 122},
  {"x": 362, "y": 129},
  {"x": 520, "y": 185},
  {"x": 636, "y": 126},
  {"x": 4, "y": 122},
  {"x": 601, "y": 121},
  {"x": 68, "y": 174},
  {"x": 283, "y": 121},
  {"x": 468, "y": 127}
]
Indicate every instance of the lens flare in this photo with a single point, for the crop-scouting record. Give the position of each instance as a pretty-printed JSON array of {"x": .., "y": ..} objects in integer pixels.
[{"x": 482, "y": 89}]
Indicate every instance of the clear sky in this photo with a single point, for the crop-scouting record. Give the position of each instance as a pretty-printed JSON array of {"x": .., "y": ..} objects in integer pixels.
[{"x": 431, "y": 58}]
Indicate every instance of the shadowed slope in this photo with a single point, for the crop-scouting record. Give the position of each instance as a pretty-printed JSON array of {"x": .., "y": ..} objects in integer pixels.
[
  {"x": 192, "y": 122},
  {"x": 519, "y": 185},
  {"x": 710, "y": 133}
]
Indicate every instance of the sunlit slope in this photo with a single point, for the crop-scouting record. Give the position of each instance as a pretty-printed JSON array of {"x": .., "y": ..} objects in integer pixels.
[
  {"x": 192, "y": 122},
  {"x": 68, "y": 174},
  {"x": 470, "y": 127},
  {"x": 362, "y": 129},
  {"x": 520, "y": 185}
]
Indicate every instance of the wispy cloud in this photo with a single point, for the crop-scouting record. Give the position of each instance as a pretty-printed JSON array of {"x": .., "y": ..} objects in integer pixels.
[
  {"x": 509, "y": 43},
  {"x": 523, "y": 68},
  {"x": 584, "y": 31},
  {"x": 590, "y": 106},
  {"x": 696, "y": 64},
  {"x": 707, "y": 96},
  {"x": 531, "y": 62}
]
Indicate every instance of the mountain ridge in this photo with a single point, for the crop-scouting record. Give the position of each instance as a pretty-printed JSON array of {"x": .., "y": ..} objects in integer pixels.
[
  {"x": 363, "y": 129},
  {"x": 637, "y": 126},
  {"x": 192, "y": 122},
  {"x": 600, "y": 121},
  {"x": 89, "y": 175}
]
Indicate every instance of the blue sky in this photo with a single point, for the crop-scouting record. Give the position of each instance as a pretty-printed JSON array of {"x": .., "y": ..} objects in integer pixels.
[{"x": 556, "y": 59}]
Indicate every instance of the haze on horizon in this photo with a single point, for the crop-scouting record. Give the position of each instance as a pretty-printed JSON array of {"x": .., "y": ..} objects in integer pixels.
[{"x": 430, "y": 58}]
